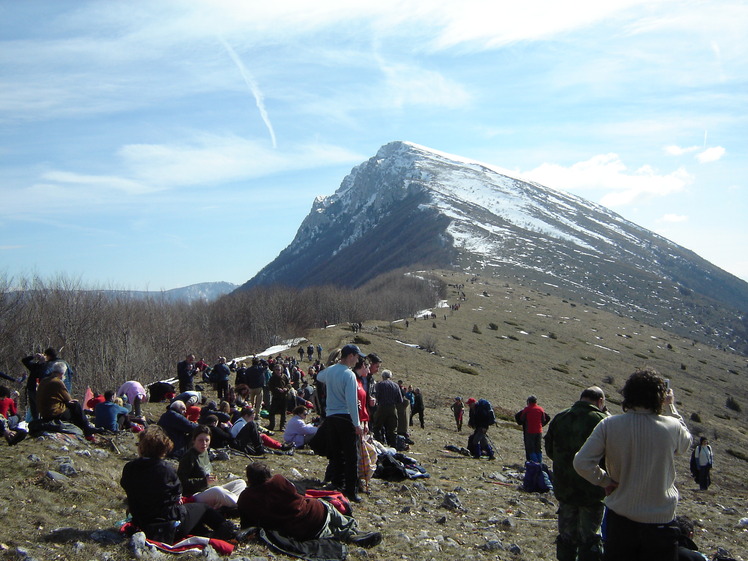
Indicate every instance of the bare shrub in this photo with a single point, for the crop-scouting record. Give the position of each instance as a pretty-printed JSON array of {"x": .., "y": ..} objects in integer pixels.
[
  {"x": 732, "y": 403},
  {"x": 428, "y": 343}
]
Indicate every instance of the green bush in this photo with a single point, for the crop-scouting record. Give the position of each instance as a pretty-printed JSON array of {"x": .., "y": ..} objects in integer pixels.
[
  {"x": 359, "y": 340},
  {"x": 465, "y": 369},
  {"x": 737, "y": 454}
]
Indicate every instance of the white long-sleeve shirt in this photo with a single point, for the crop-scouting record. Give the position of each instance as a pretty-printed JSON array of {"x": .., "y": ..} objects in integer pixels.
[{"x": 638, "y": 447}]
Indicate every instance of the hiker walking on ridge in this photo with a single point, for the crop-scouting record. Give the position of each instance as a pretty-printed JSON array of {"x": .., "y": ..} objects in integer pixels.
[
  {"x": 458, "y": 409},
  {"x": 417, "y": 407},
  {"x": 704, "y": 460}
]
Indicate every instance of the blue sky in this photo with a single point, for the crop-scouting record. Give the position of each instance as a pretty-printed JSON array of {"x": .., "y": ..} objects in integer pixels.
[{"x": 152, "y": 145}]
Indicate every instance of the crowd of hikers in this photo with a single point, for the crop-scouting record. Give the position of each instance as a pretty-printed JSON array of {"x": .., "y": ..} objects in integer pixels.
[{"x": 350, "y": 410}]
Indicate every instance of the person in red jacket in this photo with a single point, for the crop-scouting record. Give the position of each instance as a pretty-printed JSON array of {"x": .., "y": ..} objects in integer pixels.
[
  {"x": 533, "y": 419},
  {"x": 272, "y": 502}
]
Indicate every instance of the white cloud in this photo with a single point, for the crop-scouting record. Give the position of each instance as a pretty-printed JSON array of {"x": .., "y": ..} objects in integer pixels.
[
  {"x": 212, "y": 159},
  {"x": 674, "y": 150},
  {"x": 609, "y": 176},
  {"x": 207, "y": 161},
  {"x": 711, "y": 154},
  {"x": 673, "y": 218},
  {"x": 409, "y": 85}
]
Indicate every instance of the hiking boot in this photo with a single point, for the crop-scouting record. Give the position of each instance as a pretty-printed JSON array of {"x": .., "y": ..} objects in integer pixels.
[
  {"x": 353, "y": 497},
  {"x": 246, "y": 534},
  {"x": 17, "y": 437},
  {"x": 367, "y": 540},
  {"x": 226, "y": 531},
  {"x": 287, "y": 446}
]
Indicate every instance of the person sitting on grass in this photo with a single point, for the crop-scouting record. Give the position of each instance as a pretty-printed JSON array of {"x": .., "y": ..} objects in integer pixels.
[
  {"x": 177, "y": 427},
  {"x": 12, "y": 436},
  {"x": 110, "y": 416},
  {"x": 298, "y": 431},
  {"x": 196, "y": 474},
  {"x": 273, "y": 503},
  {"x": 250, "y": 441},
  {"x": 54, "y": 403},
  {"x": 154, "y": 495}
]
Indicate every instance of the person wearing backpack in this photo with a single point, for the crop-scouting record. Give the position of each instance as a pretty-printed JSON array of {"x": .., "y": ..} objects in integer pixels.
[
  {"x": 532, "y": 418},
  {"x": 480, "y": 416},
  {"x": 580, "y": 503},
  {"x": 704, "y": 461}
]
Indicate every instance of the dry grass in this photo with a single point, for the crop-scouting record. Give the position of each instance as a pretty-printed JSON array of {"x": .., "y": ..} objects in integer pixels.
[{"x": 543, "y": 345}]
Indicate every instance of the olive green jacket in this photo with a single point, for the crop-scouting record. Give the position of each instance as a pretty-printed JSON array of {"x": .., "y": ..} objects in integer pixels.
[{"x": 566, "y": 433}]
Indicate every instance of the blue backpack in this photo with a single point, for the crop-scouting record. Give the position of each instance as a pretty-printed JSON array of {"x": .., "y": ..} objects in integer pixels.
[
  {"x": 484, "y": 413},
  {"x": 536, "y": 479}
]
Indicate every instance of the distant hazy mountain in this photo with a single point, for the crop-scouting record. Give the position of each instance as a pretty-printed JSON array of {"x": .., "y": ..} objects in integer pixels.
[
  {"x": 206, "y": 291},
  {"x": 411, "y": 206}
]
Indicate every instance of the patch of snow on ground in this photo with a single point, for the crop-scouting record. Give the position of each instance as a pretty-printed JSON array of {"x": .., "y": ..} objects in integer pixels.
[
  {"x": 407, "y": 344},
  {"x": 607, "y": 349}
]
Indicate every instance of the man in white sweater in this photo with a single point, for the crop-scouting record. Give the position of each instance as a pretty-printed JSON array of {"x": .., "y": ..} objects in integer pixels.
[{"x": 639, "y": 475}]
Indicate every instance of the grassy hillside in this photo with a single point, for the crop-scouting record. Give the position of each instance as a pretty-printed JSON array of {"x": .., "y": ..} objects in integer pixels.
[{"x": 504, "y": 343}]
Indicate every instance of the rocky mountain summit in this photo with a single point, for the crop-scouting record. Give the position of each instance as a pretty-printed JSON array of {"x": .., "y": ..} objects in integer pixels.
[{"x": 412, "y": 206}]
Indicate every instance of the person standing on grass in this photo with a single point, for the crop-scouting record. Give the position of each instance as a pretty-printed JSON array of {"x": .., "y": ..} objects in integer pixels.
[
  {"x": 533, "y": 419},
  {"x": 388, "y": 397},
  {"x": 580, "y": 503},
  {"x": 417, "y": 408},
  {"x": 186, "y": 373},
  {"x": 458, "y": 409},
  {"x": 705, "y": 459},
  {"x": 343, "y": 426},
  {"x": 639, "y": 474},
  {"x": 480, "y": 417}
]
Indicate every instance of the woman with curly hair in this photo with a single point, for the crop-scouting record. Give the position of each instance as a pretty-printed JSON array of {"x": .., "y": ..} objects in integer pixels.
[{"x": 639, "y": 475}]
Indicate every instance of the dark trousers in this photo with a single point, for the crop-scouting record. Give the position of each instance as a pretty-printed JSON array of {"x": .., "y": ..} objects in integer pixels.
[
  {"x": 342, "y": 451},
  {"x": 704, "y": 478},
  {"x": 420, "y": 416},
  {"x": 74, "y": 414},
  {"x": 277, "y": 406},
  {"x": 222, "y": 389},
  {"x": 385, "y": 419},
  {"x": 533, "y": 451},
  {"x": 200, "y": 515},
  {"x": 31, "y": 399},
  {"x": 626, "y": 540}
]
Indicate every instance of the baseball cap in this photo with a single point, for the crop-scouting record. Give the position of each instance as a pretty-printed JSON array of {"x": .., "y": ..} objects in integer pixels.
[{"x": 351, "y": 349}]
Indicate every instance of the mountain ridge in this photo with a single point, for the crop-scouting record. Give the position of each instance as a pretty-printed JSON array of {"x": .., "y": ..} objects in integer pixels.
[{"x": 410, "y": 206}]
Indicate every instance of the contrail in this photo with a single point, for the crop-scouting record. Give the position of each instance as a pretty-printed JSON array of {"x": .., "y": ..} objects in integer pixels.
[{"x": 254, "y": 88}]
